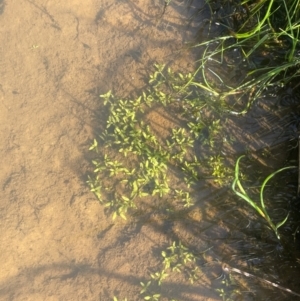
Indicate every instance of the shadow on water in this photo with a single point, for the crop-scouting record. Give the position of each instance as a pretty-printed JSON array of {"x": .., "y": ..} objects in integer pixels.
[
  {"x": 229, "y": 232},
  {"x": 219, "y": 224},
  {"x": 138, "y": 54},
  {"x": 269, "y": 134},
  {"x": 2, "y": 6},
  {"x": 66, "y": 272}
]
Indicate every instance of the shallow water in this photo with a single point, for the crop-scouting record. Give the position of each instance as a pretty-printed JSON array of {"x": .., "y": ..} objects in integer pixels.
[{"x": 57, "y": 242}]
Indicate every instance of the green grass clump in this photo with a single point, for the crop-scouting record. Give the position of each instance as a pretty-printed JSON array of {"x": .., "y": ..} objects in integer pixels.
[
  {"x": 261, "y": 210},
  {"x": 260, "y": 52}
]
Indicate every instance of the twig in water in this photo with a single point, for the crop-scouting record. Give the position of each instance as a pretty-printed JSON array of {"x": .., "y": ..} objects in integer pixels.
[{"x": 227, "y": 269}]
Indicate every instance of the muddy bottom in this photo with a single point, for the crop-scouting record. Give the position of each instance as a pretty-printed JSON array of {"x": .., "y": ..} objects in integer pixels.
[{"x": 57, "y": 242}]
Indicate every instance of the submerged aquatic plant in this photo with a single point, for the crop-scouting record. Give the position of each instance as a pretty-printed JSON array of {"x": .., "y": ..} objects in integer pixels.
[
  {"x": 261, "y": 210},
  {"x": 136, "y": 163},
  {"x": 176, "y": 259}
]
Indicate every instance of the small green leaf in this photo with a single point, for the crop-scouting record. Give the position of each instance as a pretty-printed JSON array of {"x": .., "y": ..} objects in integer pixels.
[
  {"x": 283, "y": 222},
  {"x": 122, "y": 215}
]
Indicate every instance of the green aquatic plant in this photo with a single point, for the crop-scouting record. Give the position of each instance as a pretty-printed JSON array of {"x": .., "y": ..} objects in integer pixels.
[
  {"x": 221, "y": 174},
  {"x": 261, "y": 210},
  {"x": 137, "y": 163},
  {"x": 132, "y": 162},
  {"x": 260, "y": 50},
  {"x": 177, "y": 258}
]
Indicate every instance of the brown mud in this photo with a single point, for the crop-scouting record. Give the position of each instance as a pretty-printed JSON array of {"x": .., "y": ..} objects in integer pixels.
[{"x": 56, "y": 241}]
